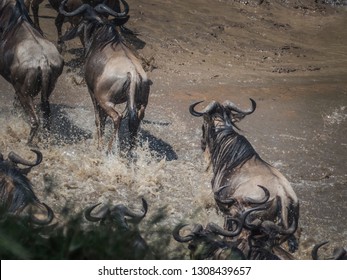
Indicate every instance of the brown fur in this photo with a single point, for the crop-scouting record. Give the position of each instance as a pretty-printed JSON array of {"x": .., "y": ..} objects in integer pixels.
[{"x": 28, "y": 61}]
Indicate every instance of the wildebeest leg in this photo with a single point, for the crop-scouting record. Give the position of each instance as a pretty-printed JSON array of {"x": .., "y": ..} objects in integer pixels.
[
  {"x": 110, "y": 110},
  {"x": 293, "y": 214},
  {"x": 28, "y": 106},
  {"x": 47, "y": 85},
  {"x": 59, "y": 20},
  {"x": 116, "y": 118},
  {"x": 35, "y": 8},
  {"x": 100, "y": 120},
  {"x": 25, "y": 90}
]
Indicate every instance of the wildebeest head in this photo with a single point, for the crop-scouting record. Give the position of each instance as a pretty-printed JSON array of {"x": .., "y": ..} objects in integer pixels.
[
  {"x": 218, "y": 116},
  {"x": 339, "y": 253},
  {"x": 208, "y": 243},
  {"x": 12, "y": 12},
  {"x": 116, "y": 215},
  {"x": 94, "y": 19},
  {"x": 16, "y": 190},
  {"x": 213, "y": 242},
  {"x": 116, "y": 218}
]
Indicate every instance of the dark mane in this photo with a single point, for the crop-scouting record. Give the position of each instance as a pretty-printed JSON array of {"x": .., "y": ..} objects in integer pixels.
[
  {"x": 19, "y": 193},
  {"x": 229, "y": 151},
  {"x": 19, "y": 14},
  {"x": 103, "y": 35}
]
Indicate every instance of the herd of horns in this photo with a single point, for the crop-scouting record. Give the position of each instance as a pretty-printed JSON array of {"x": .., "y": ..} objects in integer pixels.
[{"x": 259, "y": 207}]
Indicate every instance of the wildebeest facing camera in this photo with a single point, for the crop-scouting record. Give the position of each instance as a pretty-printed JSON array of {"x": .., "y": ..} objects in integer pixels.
[{"x": 16, "y": 190}]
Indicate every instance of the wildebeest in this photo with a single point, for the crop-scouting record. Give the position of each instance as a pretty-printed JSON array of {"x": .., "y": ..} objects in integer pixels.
[
  {"x": 112, "y": 72},
  {"x": 211, "y": 243},
  {"x": 28, "y": 61},
  {"x": 238, "y": 170},
  {"x": 117, "y": 219},
  {"x": 339, "y": 253},
  {"x": 70, "y": 6},
  {"x": 208, "y": 243},
  {"x": 16, "y": 190}
]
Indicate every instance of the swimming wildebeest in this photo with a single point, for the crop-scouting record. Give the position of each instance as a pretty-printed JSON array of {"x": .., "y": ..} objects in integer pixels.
[
  {"x": 16, "y": 190},
  {"x": 238, "y": 171},
  {"x": 28, "y": 61},
  {"x": 209, "y": 243},
  {"x": 117, "y": 218},
  {"x": 212, "y": 241},
  {"x": 112, "y": 72}
]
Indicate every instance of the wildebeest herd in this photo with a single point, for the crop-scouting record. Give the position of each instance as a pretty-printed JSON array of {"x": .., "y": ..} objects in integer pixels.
[{"x": 259, "y": 206}]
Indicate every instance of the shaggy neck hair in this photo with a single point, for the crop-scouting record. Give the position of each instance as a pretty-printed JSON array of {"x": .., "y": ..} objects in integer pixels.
[
  {"x": 228, "y": 150},
  {"x": 18, "y": 14},
  {"x": 16, "y": 191},
  {"x": 101, "y": 35}
]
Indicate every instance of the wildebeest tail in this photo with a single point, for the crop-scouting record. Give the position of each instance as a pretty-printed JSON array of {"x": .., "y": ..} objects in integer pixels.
[
  {"x": 134, "y": 121},
  {"x": 46, "y": 88}
]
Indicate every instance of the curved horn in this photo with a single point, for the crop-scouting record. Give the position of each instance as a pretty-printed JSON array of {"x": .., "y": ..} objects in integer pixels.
[
  {"x": 339, "y": 254},
  {"x": 176, "y": 234},
  {"x": 314, "y": 252},
  {"x": 18, "y": 159},
  {"x": 119, "y": 212},
  {"x": 228, "y": 233},
  {"x": 89, "y": 217},
  {"x": 137, "y": 215},
  {"x": 243, "y": 217},
  {"x": 192, "y": 110},
  {"x": 227, "y": 201},
  {"x": 122, "y": 211},
  {"x": 77, "y": 11},
  {"x": 208, "y": 108},
  {"x": 232, "y": 107},
  {"x": 102, "y": 8},
  {"x": 271, "y": 226},
  {"x": 262, "y": 201},
  {"x": 239, "y": 221},
  {"x": 48, "y": 220}
]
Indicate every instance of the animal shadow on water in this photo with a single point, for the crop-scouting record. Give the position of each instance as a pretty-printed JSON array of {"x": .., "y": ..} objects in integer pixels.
[
  {"x": 157, "y": 146},
  {"x": 63, "y": 129},
  {"x": 161, "y": 148}
]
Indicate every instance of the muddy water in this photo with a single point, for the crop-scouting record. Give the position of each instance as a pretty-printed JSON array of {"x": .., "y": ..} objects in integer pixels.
[{"x": 291, "y": 60}]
